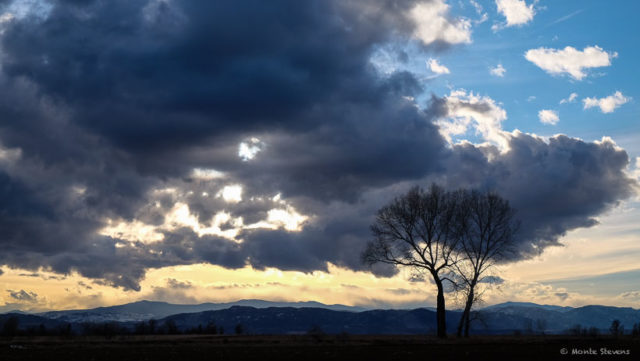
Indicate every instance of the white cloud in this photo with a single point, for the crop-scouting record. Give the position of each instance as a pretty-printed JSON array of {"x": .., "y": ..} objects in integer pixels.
[
  {"x": 480, "y": 11},
  {"x": 636, "y": 172},
  {"x": 436, "y": 67},
  {"x": 206, "y": 174},
  {"x": 572, "y": 97},
  {"x": 433, "y": 24},
  {"x": 570, "y": 60},
  {"x": 531, "y": 98},
  {"x": 289, "y": 219},
  {"x": 465, "y": 110},
  {"x": 134, "y": 231},
  {"x": 547, "y": 116},
  {"x": 247, "y": 150},
  {"x": 231, "y": 193},
  {"x": 516, "y": 13},
  {"x": 499, "y": 70},
  {"x": 608, "y": 104}
]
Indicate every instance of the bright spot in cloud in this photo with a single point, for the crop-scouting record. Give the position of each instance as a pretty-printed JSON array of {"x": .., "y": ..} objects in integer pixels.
[
  {"x": 636, "y": 171},
  {"x": 206, "y": 174},
  {"x": 134, "y": 231},
  {"x": 181, "y": 216},
  {"x": 433, "y": 24},
  {"x": 572, "y": 97},
  {"x": 465, "y": 110},
  {"x": 516, "y": 12},
  {"x": 569, "y": 60},
  {"x": 547, "y": 116},
  {"x": 436, "y": 67},
  {"x": 9, "y": 155},
  {"x": 231, "y": 193},
  {"x": 288, "y": 218},
  {"x": 499, "y": 70},
  {"x": 608, "y": 104},
  {"x": 247, "y": 150}
]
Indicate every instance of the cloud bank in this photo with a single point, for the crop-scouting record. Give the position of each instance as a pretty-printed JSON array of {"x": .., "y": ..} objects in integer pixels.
[{"x": 144, "y": 134}]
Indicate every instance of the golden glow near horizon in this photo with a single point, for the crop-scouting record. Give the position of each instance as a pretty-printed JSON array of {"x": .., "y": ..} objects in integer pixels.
[{"x": 583, "y": 254}]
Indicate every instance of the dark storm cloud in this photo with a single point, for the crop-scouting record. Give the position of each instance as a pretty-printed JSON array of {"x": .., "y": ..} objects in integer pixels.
[
  {"x": 107, "y": 101},
  {"x": 555, "y": 185},
  {"x": 152, "y": 74}
]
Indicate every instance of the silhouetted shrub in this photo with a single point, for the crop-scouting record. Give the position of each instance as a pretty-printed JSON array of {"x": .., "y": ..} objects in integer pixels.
[
  {"x": 575, "y": 330},
  {"x": 594, "y": 331},
  {"x": 171, "y": 328},
  {"x": 616, "y": 328},
  {"x": 211, "y": 328},
  {"x": 10, "y": 327},
  {"x": 239, "y": 329},
  {"x": 316, "y": 333}
]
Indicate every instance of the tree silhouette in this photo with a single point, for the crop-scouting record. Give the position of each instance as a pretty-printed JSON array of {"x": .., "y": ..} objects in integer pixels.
[
  {"x": 417, "y": 231},
  {"x": 153, "y": 324},
  {"x": 616, "y": 329},
  {"x": 486, "y": 227},
  {"x": 541, "y": 325},
  {"x": 211, "y": 328},
  {"x": 10, "y": 327}
]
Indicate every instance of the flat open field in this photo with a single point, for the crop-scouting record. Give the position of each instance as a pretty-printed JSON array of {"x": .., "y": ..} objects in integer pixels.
[{"x": 328, "y": 347}]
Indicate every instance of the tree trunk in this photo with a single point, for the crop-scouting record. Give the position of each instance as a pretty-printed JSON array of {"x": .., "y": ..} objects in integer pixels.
[
  {"x": 440, "y": 309},
  {"x": 465, "y": 319},
  {"x": 469, "y": 305}
]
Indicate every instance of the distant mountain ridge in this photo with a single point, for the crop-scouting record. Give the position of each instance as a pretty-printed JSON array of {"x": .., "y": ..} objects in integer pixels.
[
  {"x": 144, "y": 310},
  {"x": 265, "y": 317},
  {"x": 510, "y": 304}
]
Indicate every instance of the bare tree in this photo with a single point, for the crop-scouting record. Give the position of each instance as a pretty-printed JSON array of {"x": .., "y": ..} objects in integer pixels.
[
  {"x": 416, "y": 231},
  {"x": 486, "y": 227},
  {"x": 616, "y": 328}
]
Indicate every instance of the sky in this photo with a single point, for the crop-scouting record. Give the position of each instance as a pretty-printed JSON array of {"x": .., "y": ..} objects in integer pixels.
[{"x": 196, "y": 151}]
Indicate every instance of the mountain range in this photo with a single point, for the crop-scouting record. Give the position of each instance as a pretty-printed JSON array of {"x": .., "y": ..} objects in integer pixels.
[{"x": 265, "y": 317}]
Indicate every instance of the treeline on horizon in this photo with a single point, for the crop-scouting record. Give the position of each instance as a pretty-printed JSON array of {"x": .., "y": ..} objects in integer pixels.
[{"x": 11, "y": 328}]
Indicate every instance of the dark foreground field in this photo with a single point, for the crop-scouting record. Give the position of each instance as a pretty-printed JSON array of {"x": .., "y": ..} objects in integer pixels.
[{"x": 323, "y": 347}]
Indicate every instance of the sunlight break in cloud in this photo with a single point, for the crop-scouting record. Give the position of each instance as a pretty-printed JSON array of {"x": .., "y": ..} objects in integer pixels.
[
  {"x": 466, "y": 110},
  {"x": 433, "y": 24},
  {"x": 516, "y": 12},
  {"x": 547, "y": 116},
  {"x": 572, "y": 98},
  {"x": 205, "y": 174},
  {"x": 248, "y": 150},
  {"x": 570, "y": 60},
  {"x": 231, "y": 193},
  {"x": 608, "y": 104},
  {"x": 436, "y": 67},
  {"x": 499, "y": 70}
]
